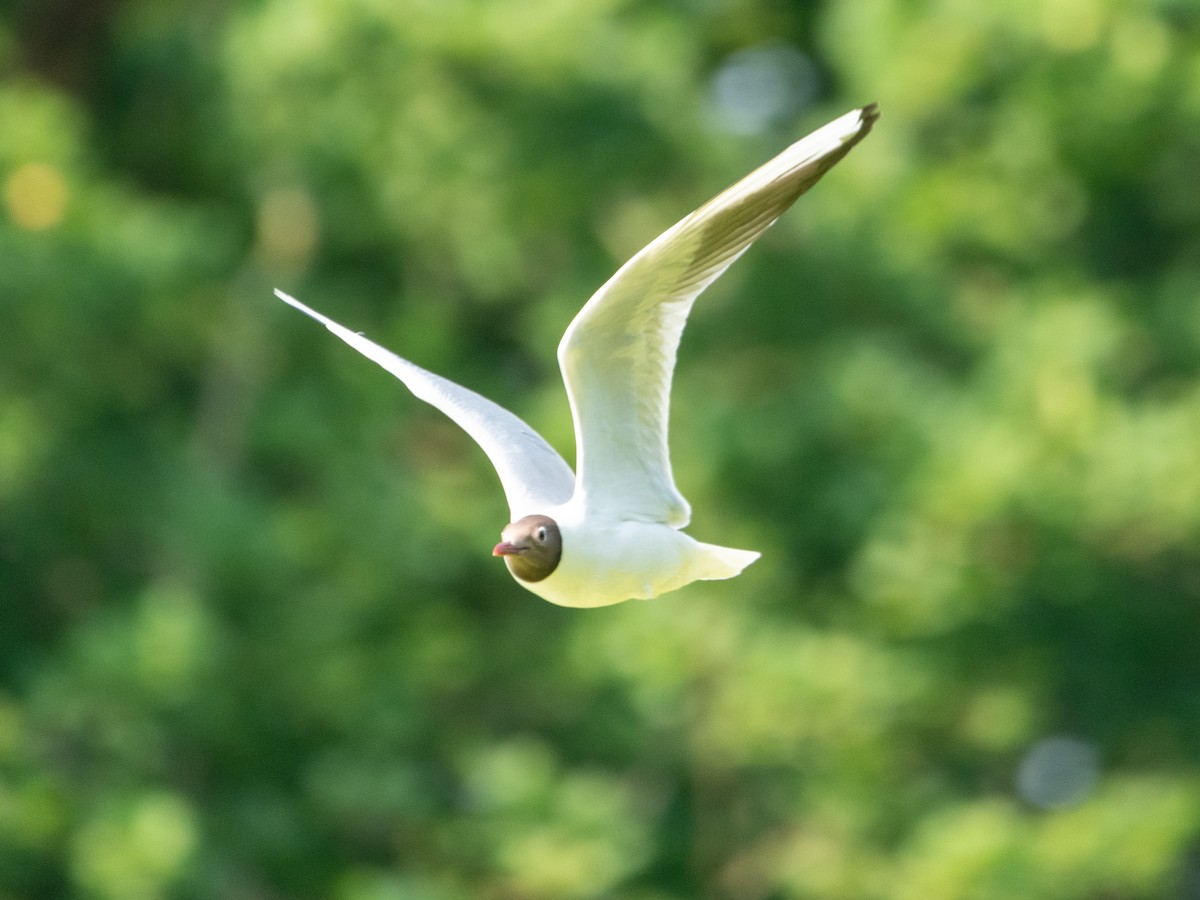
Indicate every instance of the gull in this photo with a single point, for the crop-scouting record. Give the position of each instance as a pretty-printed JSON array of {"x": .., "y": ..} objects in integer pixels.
[{"x": 612, "y": 531}]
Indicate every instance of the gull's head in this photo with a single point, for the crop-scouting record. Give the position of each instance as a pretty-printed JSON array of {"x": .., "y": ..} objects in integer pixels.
[{"x": 531, "y": 547}]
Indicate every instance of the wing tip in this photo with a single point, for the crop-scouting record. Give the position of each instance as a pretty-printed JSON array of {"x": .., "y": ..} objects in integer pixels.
[
  {"x": 847, "y": 130},
  {"x": 308, "y": 311},
  {"x": 292, "y": 301},
  {"x": 867, "y": 117}
]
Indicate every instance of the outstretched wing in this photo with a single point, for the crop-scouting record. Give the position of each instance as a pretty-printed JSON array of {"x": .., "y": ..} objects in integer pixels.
[
  {"x": 618, "y": 354},
  {"x": 533, "y": 475}
]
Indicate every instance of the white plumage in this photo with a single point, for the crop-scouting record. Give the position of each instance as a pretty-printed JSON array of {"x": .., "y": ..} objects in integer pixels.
[{"x": 612, "y": 532}]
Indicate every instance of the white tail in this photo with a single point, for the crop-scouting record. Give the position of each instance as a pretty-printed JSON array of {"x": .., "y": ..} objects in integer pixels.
[{"x": 716, "y": 563}]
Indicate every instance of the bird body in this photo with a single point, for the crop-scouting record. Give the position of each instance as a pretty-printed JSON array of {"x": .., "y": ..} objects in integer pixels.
[
  {"x": 606, "y": 560},
  {"x": 611, "y": 532}
]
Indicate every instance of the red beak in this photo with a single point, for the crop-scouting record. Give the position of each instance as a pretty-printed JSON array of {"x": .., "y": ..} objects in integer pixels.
[{"x": 504, "y": 548}]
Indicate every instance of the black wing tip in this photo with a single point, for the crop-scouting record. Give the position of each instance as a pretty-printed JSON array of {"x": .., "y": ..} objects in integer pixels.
[{"x": 869, "y": 115}]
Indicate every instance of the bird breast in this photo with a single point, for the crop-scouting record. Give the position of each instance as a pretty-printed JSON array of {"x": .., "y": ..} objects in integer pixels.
[{"x": 606, "y": 564}]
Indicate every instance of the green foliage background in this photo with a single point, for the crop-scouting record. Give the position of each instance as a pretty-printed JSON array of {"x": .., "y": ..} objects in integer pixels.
[{"x": 252, "y": 644}]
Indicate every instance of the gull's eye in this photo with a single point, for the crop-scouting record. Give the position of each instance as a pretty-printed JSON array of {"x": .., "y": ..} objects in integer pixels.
[{"x": 540, "y": 534}]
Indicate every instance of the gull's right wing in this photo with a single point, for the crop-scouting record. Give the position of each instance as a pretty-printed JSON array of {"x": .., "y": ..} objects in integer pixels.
[{"x": 532, "y": 473}]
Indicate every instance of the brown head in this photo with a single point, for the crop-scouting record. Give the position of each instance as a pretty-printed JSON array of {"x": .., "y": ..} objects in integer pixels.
[{"x": 531, "y": 547}]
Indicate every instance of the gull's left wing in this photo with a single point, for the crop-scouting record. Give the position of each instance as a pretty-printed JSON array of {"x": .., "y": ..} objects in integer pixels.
[
  {"x": 618, "y": 354},
  {"x": 532, "y": 473}
]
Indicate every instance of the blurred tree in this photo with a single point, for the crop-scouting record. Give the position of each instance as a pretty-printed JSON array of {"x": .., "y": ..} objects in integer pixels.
[{"x": 252, "y": 643}]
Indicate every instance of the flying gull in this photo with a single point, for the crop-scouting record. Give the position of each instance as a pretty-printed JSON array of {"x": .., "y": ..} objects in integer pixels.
[{"x": 612, "y": 532}]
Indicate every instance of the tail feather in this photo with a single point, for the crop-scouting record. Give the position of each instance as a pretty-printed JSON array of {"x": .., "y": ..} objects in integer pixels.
[{"x": 717, "y": 563}]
